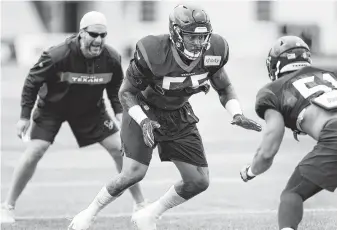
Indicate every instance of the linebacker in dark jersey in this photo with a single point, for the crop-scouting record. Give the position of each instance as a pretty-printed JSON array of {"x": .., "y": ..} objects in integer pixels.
[
  {"x": 70, "y": 79},
  {"x": 304, "y": 99},
  {"x": 165, "y": 72}
]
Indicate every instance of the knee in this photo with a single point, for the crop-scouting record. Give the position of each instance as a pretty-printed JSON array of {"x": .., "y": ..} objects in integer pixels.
[
  {"x": 134, "y": 174},
  {"x": 36, "y": 150},
  {"x": 290, "y": 197},
  {"x": 201, "y": 184},
  {"x": 195, "y": 186}
]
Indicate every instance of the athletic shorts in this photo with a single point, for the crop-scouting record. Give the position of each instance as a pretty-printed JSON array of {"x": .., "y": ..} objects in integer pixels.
[
  {"x": 88, "y": 129},
  {"x": 320, "y": 165},
  {"x": 178, "y": 138},
  {"x": 301, "y": 185}
]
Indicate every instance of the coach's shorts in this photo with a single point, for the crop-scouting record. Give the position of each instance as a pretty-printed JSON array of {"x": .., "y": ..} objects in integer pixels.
[
  {"x": 320, "y": 165},
  {"x": 88, "y": 129},
  {"x": 178, "y": 137}
]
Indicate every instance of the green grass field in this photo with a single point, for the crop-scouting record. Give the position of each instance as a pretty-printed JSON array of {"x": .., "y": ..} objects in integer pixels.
[{"x": 68, "y": 178}]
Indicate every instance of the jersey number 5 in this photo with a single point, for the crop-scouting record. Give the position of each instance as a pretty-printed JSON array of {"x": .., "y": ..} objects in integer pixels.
[
  {"x": 306, "y": 92},
  {"x": 194, "y": 81}
]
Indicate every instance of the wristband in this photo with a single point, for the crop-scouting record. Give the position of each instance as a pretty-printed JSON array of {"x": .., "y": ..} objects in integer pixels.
[
  {"x": 137, "y": 113},
  {"x": 233, "y": 107}
]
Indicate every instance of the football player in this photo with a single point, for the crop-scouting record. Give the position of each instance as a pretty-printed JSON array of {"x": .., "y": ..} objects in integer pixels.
[
  {"x": 165, "y": 72},
  {"x": 304, "y": 99}
]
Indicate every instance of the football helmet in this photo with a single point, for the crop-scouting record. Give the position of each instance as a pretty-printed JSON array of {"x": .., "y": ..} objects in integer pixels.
[
  {"x": 289, "y": 53},
  {"x": 190, "y": 21}
]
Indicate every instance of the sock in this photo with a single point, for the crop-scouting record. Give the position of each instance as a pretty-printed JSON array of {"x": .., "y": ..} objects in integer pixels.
[
  {"x": 169, "y": 200},
  {"x": 102, "y": 199}
]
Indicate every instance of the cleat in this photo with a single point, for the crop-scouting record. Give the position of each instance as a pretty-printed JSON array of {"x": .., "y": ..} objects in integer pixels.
[
  {"x": 82, "y": 221},
  {"x": 144, "y": 220},
  {"x": 7, "y": 214}
]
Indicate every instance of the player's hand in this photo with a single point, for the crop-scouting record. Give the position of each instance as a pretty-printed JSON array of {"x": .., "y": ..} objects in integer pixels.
[
  {"x": 244, "y": 174},
  {"x": 22, "y": 126},
  {"x": 244, "y": 122},
  {"x": 148, "y": 126}
]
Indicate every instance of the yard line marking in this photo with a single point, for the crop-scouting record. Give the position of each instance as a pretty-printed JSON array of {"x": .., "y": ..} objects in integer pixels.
[{"x": 187, "y": 213}]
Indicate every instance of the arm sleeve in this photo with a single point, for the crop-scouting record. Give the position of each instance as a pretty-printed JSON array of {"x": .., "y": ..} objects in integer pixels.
[
  {"x": 113, "y": 86},
  {"x": 37, "y": 75},
  {"x": 138, "y": 72},
  {"x": 265, "y": 99}
]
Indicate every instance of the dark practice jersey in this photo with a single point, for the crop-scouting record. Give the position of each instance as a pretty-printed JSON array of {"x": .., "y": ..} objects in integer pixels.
[
  {"x": 68, "y": 83},
  {"x": 291, "y": 93},
  {"x": 167, "y": 81}
]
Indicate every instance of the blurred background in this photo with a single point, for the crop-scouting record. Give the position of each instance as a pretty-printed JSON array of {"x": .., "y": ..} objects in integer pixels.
[
  {"x": 249, "y": 26},
  {"x": 68, "y": 177}
]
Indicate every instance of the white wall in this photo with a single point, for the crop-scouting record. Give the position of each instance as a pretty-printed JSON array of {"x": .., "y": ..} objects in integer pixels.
[
  {"x": 18, "y": 17},
  {"x": 234, "y": 20},
  {"x": 321, "y": 13}
]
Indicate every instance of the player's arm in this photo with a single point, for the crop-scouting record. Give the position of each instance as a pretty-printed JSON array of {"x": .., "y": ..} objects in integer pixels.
[
  {"x": 37, "y": 75},
  {"x": 137, "y": 80},
  {"x": 271, "y": 141},
  {"x": 128, "y": 98},
  {"x": 221, "y": 83},
  {"x": 113, "y": 87},
  {"x": 228, "y": 98}
]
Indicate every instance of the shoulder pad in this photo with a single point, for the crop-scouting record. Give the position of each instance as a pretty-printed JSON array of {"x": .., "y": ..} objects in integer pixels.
[
  {"x": 218, "y": 47},
  {"x": 154, "y": 49}
]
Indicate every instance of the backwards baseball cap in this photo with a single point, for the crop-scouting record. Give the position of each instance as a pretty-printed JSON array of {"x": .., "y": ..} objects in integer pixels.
[{"x": 92, "y": 18}]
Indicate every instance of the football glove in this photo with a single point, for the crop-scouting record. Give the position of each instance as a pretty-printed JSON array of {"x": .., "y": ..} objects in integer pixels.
[
  {"x": 148, "y": 126},
  {"x": 244, "y": 122},
  {"x": 244, "y": 174}
]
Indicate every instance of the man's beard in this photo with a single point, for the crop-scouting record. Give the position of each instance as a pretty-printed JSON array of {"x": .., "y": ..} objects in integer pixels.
[
  {"x": 91, "y": 50},
  {"x": 95, "y": 50}
]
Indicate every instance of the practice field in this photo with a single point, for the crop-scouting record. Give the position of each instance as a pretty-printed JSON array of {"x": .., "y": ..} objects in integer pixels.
[{"x": 68, "y": 178}]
